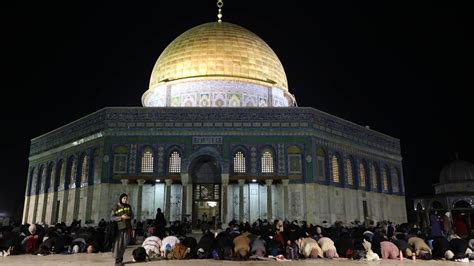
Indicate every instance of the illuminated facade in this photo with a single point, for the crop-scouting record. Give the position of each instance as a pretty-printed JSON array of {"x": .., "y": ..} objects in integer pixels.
[
  {"x": 220, "y": 137},
  {"x": 453, "y": 193}
]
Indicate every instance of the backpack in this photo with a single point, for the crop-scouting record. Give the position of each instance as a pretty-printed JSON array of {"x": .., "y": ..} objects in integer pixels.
[
  {"x": 139, "y": 254},
  {"x": 292, "y": 252}
]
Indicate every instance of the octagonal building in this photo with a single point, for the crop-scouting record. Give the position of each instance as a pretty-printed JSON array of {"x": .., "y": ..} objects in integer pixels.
[{"x": 219, "y": 137}]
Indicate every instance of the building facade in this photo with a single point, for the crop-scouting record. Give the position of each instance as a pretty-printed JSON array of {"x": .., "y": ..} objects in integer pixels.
[
  {"x": 219, "y": 137},
  {"x": 454, "y": 193}
]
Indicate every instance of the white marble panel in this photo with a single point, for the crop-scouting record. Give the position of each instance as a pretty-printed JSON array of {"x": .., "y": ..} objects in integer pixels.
[
  {"x": 262, "y": 201},
  {"x": 277, "y": 198},
  {"x": 254, "y": 198},
  {"x": 246, "y": 203},
  {"x": 33, "y": 211},
  {"x": 175, "y": 213},
  {"x": 160, "y": 196},
  {"x": 234, "y": 206}
]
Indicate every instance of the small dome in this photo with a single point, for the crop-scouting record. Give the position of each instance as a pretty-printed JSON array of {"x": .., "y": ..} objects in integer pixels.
[{"x": 457, "y": 171}]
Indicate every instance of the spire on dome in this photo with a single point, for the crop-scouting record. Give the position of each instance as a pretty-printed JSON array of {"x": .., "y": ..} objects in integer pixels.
[{"x": 220, "y": 4}]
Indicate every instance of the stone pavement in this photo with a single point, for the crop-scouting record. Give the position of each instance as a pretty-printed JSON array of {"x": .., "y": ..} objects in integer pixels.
[{"x": 106, "y": 259}]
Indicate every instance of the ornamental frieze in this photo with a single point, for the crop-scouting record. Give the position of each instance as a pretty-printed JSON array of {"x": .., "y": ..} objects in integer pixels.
[{"x": 149, "y": 118}]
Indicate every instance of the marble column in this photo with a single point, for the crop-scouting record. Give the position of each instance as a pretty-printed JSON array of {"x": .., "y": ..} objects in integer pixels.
[
  {"x": 125, "y": 186},
  {"x": 241, "y": 199},
  {"x": 185, "y": 196},
  {"x": 140, "y": 199},
  {"x": 26, "y": 210},
  {"x": 285, "y": 198},
  {"x": 224, "y": 202},
  {"x": 184, "y": 199},
  {"x": 168, "y": 198},
  {"x": 52, "y": 219},
  {"x": 269, "y": 183},
  {"x": 224, "y": 199}
]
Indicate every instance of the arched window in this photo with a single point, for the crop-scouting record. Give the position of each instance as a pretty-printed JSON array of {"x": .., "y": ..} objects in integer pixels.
[
  {"x": 267, "y": 161},
  {"x": 84, "y": 170},
  {"x": 97, "y": 166},
  {"x": 40, "y": 184},
  {"x": 402, "y": 181},
  {"x": 384, "y": 179},
  {"x": 71, "y": 171},
  {"x": 32, "y": 182},
  {"x": 59, "y": 175},
  {"x": 147, "y": 161},
  {"x": 395, "y": 186},
  {"x": 419, "y": 207},
  {"x": 320, "y": 163},
  {"x": 462, "y": 204},
  {"x": 436, "y": 205},
  {"x": 175, "y": 163},
  {"x": 120, "y": 159},
  {"x": 348, "y": 171},
  {"x": 335, "y": 169},
  {"x": 50, "y": 177},
  {"x": 295, "y": 165},
  {"x": 373, "y": 177},
  {"x": 239, "y": 162},
  {"x": 362, "y": 174}
]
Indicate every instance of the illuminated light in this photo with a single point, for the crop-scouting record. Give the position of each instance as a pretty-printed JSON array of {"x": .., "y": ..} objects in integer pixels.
[
  {"x": 212, "y": 204},
  {"x": 254, "y": 180},
  {"x": 157, "y": 181},
  {"x": 86, "y": 139}
]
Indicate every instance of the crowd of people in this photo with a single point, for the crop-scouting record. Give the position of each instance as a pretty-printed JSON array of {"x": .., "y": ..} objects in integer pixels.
[{"x": 262, "y": 240}]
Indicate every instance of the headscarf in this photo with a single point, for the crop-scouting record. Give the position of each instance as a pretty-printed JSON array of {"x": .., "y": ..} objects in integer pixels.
[
  {"x": 121, "y": 196},
  {"x": 32, "y": 229}
]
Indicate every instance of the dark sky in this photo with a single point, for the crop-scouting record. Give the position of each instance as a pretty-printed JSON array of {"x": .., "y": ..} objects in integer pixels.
[{"x": 401, "y": 68}]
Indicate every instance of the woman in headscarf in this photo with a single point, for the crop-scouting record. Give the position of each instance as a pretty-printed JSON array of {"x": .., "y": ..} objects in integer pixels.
[
  {"x": 122, "y": 214},
  {"x": 447, "y": 224}
]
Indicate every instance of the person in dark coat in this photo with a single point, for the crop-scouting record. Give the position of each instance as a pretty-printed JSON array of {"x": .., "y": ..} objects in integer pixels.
[
  {"x": 205, "y": 246},
  {"x": 435, "y": 226},
  {"x": 440, "y": 247},
  {"x": 223, "y": 246},
  {"x": 191, "y": 243},
  {"x": 160, "y": 223},
  {"x": 344, "y": 245},
  {"x": 376, "y": 239},
  {"x": 459, "y": 247},
  {"x": 122, "y": 215},
  {"x": 403, "y": 246}
]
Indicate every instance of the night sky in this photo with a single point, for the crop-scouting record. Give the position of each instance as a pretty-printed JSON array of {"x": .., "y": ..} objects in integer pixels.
[{"x": 402, "y": 69}]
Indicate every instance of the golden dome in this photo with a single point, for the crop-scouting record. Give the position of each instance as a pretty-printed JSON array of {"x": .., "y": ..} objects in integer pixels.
[{"x": 219, "y": 51}]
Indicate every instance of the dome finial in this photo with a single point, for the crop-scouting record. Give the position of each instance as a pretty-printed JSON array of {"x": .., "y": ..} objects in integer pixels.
[{"x": 220, "y": 4}]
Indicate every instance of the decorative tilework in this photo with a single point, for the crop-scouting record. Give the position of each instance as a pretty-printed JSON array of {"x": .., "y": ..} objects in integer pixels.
[
  {"x": 253, "y": 160},
  {"x": 281, "y": 159},
  {"x": 301, "y": 121},
  {"x": 161, "y": 150},
  {"x": 133, "y": 158}
]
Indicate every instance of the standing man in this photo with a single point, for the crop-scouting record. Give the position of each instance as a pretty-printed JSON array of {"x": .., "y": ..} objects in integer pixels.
[
  {"x": 122, "y": 215},
  {"x": 160, "y": 223}
]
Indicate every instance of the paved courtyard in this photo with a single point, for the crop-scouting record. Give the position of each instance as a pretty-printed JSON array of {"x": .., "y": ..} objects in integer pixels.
[{"x": 106, "y": 259}]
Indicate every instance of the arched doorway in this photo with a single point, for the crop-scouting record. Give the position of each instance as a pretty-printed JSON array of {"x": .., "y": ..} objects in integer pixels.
[
  {"x": 436, "y": 205},
  {"x": 462, "y": 217},
  {"x": 205, "y": 174}
]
